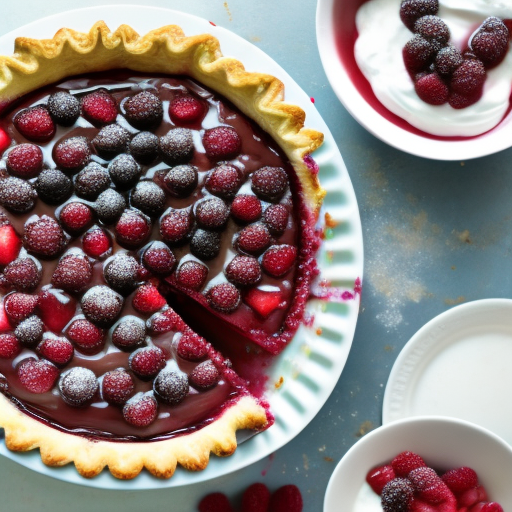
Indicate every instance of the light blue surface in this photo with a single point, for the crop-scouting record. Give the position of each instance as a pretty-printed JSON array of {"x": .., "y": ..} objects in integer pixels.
[{"x": 435, "y": 234}]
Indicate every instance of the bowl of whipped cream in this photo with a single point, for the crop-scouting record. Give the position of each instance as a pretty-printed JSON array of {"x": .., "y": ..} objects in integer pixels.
[{"x": 361, "y": 45}]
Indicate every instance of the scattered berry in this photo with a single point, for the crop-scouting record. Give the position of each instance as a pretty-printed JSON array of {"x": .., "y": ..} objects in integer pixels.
[
  {"x": 23, "y": 274},
  {"x": 72, "y": 154},
  {"x": 279, "y": 259},
  {"x": 73, "y": 273},
  {"x": 490, "y": 42},
  {"x": 270, "y": 183},
  {"x": 204, "y": 376},
  {"x": 253, "y": 239},
  {"x": 141, "y": 410},
  {"x": 109, "y": 206},
  {"x": 397, "y": 495},
  {"x": 144, "y": 147},
  {"x": 176, "y": 225},
  {"x": 468, "y": 79},
  {"x": 121, "y": 272},
  {"x": 223, "y": 297},
  {"x": 447, "y": 60},
  {"x": 64, "y": 108},
  {"x": 17, "y": 195},
  {"x": 191, "y": 346},
  {"x": 412, "y": 10},
  {"x": 10, "y": 244},
  {"x": 53, "y": 186},
  {"x": 186, "y": 109},
  {"x": 56, "y": 349},
  {"x": 177, "y": 146},
  {"x": 256, "y": 498},
  {"x": 263, "y": 302},
  {"x": 149, "y": 198},
  {"x": 56, "y": 309},
  {"x": 378, "y": 477},
  {"x": 224, "y": 181},
  {"x": 276, "y": 218},
  {"x": 25, "y": 160},
  {"x": 146, "y": 362},
  {"x": 460, "y": 479},
  {"x": 35, "y": 123},
  {"x": 434, "y": 29},
  {"x": 418, "y": 54},
  {"x": 44, "y": 237},
  {"x": 19, "y": 306},
  {"x": 117, "y": 386},
  {"x": 37, "y": 376},
  {"x": 102, "y": 305},
  {"x": 88, "y": 338},
  {"x": 192, "y": 274},
  {"x": 286, "y": 499},
  {"x": 143, "y": 111},
  {"x": 405, "y": 462},
  {"x": 76, "y": 217},
  {"x": 147, "y": 299},
  {"x": 99, "y": 107},
  {"x": 129, "y": 333},
  {"x": 91, "y": 181},
  {"x": 243, "y": 270},
  {"x": 111, "y": 140},
  {"x": 246, "y": 208},
  {"x": 78, "y": 386},
  {"x": 96, "y": 242},
  {"x": 215, "y": 502},
  {"x": 30, "y": 331},
  {"x": 205, "y": 245},
  {"x": 211, "y": 213},
  {"x": 432, "y": 89},
  {"x": 124, "y": 171},
  {"x": 221, "y": 143},
  {"x": 164, "y": 321},
  {"x": 171, "y": 387},
  {"x": 9, "y": 346},
  {"x": 159, "y": 259},
  {"x": 181, "y": 180},
  {"x": 132, "y": 229}
]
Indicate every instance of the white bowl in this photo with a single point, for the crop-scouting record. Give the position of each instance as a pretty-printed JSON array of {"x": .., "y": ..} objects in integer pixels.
[
  {"x": 444, "y": 443},
  {"x": 336, "y": 33}
]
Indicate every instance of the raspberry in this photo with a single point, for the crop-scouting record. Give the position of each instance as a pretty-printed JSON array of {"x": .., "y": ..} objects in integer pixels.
[
  {"x": 147, "y": 299},
  {"x": 143, "y": 111},
  {"x": 25, "y": 160},
  {"x": 269, "y": 183},
  {"x": 146, "y": 362},
  {"x": 191, "y": 346},
  {"x": 35, "y": 123},
  {"x": 72, "y": 154},
  {"x": 447, "y": 60},
  {"x": 23, "y": 274},
  {"x": 223, "y": 297},
  {"x": 243, "y": 271},
  {"x": 211, "y": 213},
  {"x": 490, "y": 43},
  {"x": 253, "y": 239},
  {"x": 224, "y": 181},
  {"x": 96, "y": 242},
  {"x": 76, "y": 217},
  {"x": 246, "y": 208},
  {"x": 121, "y": 272},
  {"x": 91, "y": 181},
  {"x": 56, "y": 309},
  {"x": 431, "y": 89},
  {"x": 53, "y": 186},
  {"x": 164, "y": 321},
  {"x": 30, "y": 331},
  {"x": 177, "y": 146},
  {"x": 460, "y": 479},
  {"x": 434, "y": 29},
  {"x": 471, "y": 497},
  {"x": 286, "y": 499},
  {"x": 181, "y": 180},
  {"x": 279, "y": 259},
  {"x": 171, "y": 387},
  {"x": 129, "y": 333},
  {"x": 132, "y": 229},
  {"x": 141, "y": 410},
  {"x": 378, "y": 477},
  {"x": 176, "y": 225},
  {"x": 117, "y": 386},
  {"x": 9, "y": 346},
  {"x": 204, "y": 376},
  {"x": 256, "y": 498},
  {"x": 397, "y": 495},
  {"x": 222, "y": 143},
  {"x": 186, "y": 109},
  {"x": 205, "y": 245},
  {"x": 88, "y": 338},
  {"x": 99, "y": 107},
  {"x": 215, "y": 502},
  {"x": 10, "y": 244},
  {"x": 44, "y": 237},
  {"x": 459, "y": 101},
  {"x": 78, "y": 386},
  {"x": 17, "y": 195},
  {"x": 101, "y": 305},
  {"x": 429, "y": 486},
  {"x": 412, "y": 10},
  {"x": 418, "y": 54},
  {"x": 149, "y": 198},
  {"x": 19, "y": 306},
  {"x": 124, "y": 171},
  {"x": 73, "y": 273},
  {"x": 64, "y": 108},
  {"x": 5, "y": 141},
  {"x": 111, "y": 140},
  {"x": 192, "y": 274},
  {"x": 37, "y": 376},
  {"x": 276, "y": 218},
  {"x": 405, "y": 462},
  {"x": 144, "y": 147},
  {"x": 159, "y": 259},
  {"x": 109, "y": 206},
  {"x": 58, "y": 350},
  {"x": 263, "y": 302}
]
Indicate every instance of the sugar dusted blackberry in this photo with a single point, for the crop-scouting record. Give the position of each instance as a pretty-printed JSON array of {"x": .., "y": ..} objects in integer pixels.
[
  {"x": 468, "y": 79},
  {"x": 56, "y": 349},
  {"x": 276, "y": 218},
  {"x": 397, "y": 495},
  {"x": 204, "y": 376},
  {"x": 53, "y": 186},
  {"x": 129, "y": 333},
  {"x": 159, "y": 259},
  {"x": 143, "y": 110},
  {"x": 434, "y": 29},
  {"x": 177, "y": 146},
  {"x": 109, "y": 206},
  {"x": 9, "y": 346},
  {"x": 447, "y": 60},
  {"x": 132, "y": 229},
  {"x": 91, "y": 181},
  {"x": 412, "y": 10},
  {"x": 181, "y": 180},
  {"x": 17, "y": 195},
  {"x": 35, "y": 123},
  {"x": 96, "y": 242},
  {"x": 191, "y": 346},
  {"x": 149, "y": 198},
  {"x": 246, "y": 208},
  {"x": 25, "y": 160},
  {"x": 205, "y": 245},
  {"x": 146, "y": 362},
  {"x": 211, "y": 213},
  {"x": 87, "y": 337},
  {"x": 44, "y": 237},
  {"x": 121, "y": 272},
  {"x": 224, "y": 181},
  {"x": 30, "y": 331},
  {"x": 99, "y": 107},
  {"x": 253, "y": 239},
  {"x": 64, "y": 108},
  {"x": 111, "y": 140},
  {"x": 72, "y": 154},
  {"x": 102, "y": 305},
  {"x": 23, "y": 274},
  {"x": 124, "y": 171},
  {"x": 144, "y": 147},
  {"x": 418, "y": 54},
  {"x": 222, "y": 143},
  {"x": 192, "y": 274},
  {"x": 78, "y": 386},
  {"x": 224, "y": 297},
  {"x": 490, "y": 42},
  {"x": 243, "y": 271},
  {"x": 117, "y": 386},
  {"x": 73, "y": 273},
  {"x": 141, "y": 410},
  {"x": 176, "y": 225},
  {"x": 37, "y": 376},
  {"x": 270, "y": 183},
  {"x": 171, "y": 387}
]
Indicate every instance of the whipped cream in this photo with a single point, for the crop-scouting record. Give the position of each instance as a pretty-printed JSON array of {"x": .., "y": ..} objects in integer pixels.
[{"x": 378, "y": 53}]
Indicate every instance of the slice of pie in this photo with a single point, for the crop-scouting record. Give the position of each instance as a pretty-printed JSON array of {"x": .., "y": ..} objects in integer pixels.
[{"x": 157, "y": 247}]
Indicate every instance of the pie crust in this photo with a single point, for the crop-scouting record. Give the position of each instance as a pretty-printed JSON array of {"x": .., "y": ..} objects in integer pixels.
[{"x": 36, "y": 63}]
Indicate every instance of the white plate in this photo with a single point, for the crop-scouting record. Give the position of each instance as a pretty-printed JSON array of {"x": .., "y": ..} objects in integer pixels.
[
  {"x": 459, "y": 364},
  {"x": 313, "y": 362}
]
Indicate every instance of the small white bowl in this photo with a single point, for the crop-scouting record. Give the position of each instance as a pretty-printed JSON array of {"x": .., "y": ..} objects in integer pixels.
[
  {"x": 444, "y": 443},
  {"x": 336, "y": 33}
]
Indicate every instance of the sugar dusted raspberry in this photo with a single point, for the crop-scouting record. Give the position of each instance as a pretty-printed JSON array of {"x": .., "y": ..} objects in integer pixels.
[
  {"x": 35, "y": 123},
  {"x": 460, "y": 479},
  {"x": 111, "y": 140},
  {"x": 76, "y": 217},
  {"x": 121, "y": 273},
  {"x": 279, "y": 259},
  {"x": 72, "y": 154},
  {"x": 44, "y": 237},
  {"x": 432, "y": 89},
  {"x": 149, "y": 198},
  {"x": 246, "y": 208},
  {"x": 222, "y": 143},
  {"x": 99, "y": 107},
  {"x": 181, "y": 180},
  {"x": 159, "y": 259},
  {"x": 102, "y": 305},
  {"x": 286, "y": 499},
  {"x": 147, "y": 299},
  {"x": 144, "y": 110},
  {"x": 37, "y": 376},
  {"x": 205, "y": 245},
  {"x": 270, "y": 183},
  {"x": 434, "y": 29},
  {"x": 224, "y": 297},
  {"x": 124, "y": 171},
  {"x": 19, "y": 306},
  {"x": 78, "y": 386},
  {"x": 146, "y": 362},
  {"x": 144, "y": 147},
  {"x": 276, "y": 218},
  {"x": 468, "y": 79},
  {"x": 96, "y": 242},
  {"x": 264, "y": 302},
  {"x": 171, "y": 387},
  {"x": 192, "y": 274},
  {"x": 418, "y": 54},
  {"x": 447, "y": 60},
  {"x": 243, "y": 270},
  {"x": 88, "y": 338},
  {"x": 109, "y": 206},
  {"x": 253, "y": 239},
  {"x": 56, "y": 349},
  {"x": 64, "y": 108},
  {"x": 191, "y": 346},
  {"x": 429, "y": 486},
  {"x": 73, "y": 273},
  {"x": 490, "y": 42},
  {"x": 204, "y": 376},
  {"x": 129, "y": 333},
  {"x": 397, "y": 495},
  {"x": 30, "y": 331},
  {"x": 176, "y": 225},
  {"x": 177, "y": 146},
  {"x": 141, "y": 410},
  {"x": 459, "y": 101},
  {"x": 132, "y": 229},
  {"x": 186, "y": 109},
  {"x": 378, "y": 477},
  {"x": 412, "y": 10},
  {"x": 405, "y": 462},
  {"x": 256, "y": 498},
  {"x": 211, "y": 213},
  {"x": 91, "y": 181},
  {"x": 23, "y": 274},
  {"x": 9, "y": 346},
  {"x": 117, "y": 386},
  {"x": 224, "y": 181},
  {"x": 10, "y": 244},
  {"x": 56, "y": 308},
  {"x": 17, "y": 195},
  {"x": 164, "y": 321},
  {"x": 215, "y": 502},
  {"x": 53, "y": 186},
  {"x": 25, "y": 160}
]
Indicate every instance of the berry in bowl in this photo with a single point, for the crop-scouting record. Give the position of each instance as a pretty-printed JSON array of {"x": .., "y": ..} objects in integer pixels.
[
  {"x": 430, "y": 77},
  {"x": 423, "y": 464}
]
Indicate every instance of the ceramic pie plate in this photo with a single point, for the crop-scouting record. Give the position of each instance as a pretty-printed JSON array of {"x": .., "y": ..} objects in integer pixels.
[
  {"x": 459, "y": 364},
  {"x": 311, "y": 365}
]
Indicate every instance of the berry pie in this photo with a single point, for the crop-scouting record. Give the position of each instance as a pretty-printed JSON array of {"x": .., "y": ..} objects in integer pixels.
[{"x": 157, "y": 245}]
